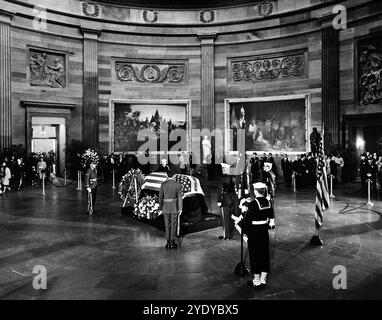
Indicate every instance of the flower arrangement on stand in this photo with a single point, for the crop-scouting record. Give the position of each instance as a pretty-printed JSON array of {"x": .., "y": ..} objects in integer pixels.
[
  {"x": 129, "y": 189},
  {"x": 89, "y": 156},
  {"x": 147, "y": 208}
]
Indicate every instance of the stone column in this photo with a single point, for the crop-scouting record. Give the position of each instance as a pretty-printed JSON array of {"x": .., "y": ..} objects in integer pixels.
[
  {"x": 330, "y": 86},
  {"x": 5, "y": 81},
  {"x": 207, "y": 81},
  {"x": 90, "y": 90}
]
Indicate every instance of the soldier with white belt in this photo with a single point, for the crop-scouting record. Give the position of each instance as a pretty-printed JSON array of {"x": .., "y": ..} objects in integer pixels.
[{"x": 259, "y": 215}]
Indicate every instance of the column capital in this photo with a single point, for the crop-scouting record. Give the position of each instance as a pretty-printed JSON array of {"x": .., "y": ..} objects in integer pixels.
[
  {"x": 5, "y": 17},
  {"x": 90, "y": 33},
  {"x": 326, "y": 20},
  {"x": 207, "y": 38}
]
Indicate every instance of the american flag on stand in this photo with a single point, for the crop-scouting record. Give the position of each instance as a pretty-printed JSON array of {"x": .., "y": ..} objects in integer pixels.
[
  {"x": 322, "y": 190},
  {"x": 190, "y": 185}
]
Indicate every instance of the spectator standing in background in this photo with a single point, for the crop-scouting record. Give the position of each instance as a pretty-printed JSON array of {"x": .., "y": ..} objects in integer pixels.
[
  {"x": 379, "y": 176},
  {"x": 5, "y": 177},
  {"x": 339, "y": 165},
  {"x": 286, "y": 166}
]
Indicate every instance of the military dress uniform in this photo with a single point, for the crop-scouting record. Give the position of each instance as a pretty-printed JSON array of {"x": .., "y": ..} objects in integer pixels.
[
  {"x": 170, "y": 203},
  {"x": 260, "y": 213},
  {"x": 91, "y": 182}
]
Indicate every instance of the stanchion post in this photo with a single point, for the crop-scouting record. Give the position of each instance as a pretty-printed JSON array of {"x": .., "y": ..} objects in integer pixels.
[
  {"x": 79, "y": 180},
  {"x": 369, "y": 193},
  {"x": 294, "y": 181},
  {"x": 113, "y": 172},
  {"x": 331, "y": 186},
  {"x": 43, "y": 185},
  {"x": 65, "y": 176}
]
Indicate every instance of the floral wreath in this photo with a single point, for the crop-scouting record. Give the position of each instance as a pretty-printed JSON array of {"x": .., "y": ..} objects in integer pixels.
[
  {"x": 89, "y": 156},
  {"x": 126, "y": 188}
]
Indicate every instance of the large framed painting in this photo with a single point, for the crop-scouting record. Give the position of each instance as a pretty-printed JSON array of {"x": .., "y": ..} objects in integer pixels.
[
  {"x": 279, "y": 124},
  {"x": 131, "y": 120}
]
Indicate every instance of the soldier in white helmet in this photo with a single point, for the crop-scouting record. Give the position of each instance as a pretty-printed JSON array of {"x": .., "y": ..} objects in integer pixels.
[{"x": 259, "y": 215}]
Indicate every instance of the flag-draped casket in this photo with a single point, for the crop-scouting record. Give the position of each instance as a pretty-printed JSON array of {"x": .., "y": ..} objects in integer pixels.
[{"x": 194, "y": 204}]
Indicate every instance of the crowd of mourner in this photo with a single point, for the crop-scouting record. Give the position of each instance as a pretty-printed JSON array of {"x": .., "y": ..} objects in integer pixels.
[{"x": 16, "y": 170}]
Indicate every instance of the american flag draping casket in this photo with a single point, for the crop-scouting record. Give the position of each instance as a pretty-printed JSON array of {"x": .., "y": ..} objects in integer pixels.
[{"x": 190, "y": 185}]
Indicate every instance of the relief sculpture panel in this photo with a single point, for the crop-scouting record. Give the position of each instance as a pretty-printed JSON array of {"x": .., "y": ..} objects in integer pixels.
[
  {"x": 47, "y": 69},
  {"x": 263, "y": 68},
  {"x": 370, "y": 70},
  {"x": 150, "y": 73}
]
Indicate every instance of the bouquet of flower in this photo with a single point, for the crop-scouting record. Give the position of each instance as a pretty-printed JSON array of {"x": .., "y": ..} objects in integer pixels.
[
  {"x": 132, "y": 180},
  {"x": 89, "y": 156},
  {"x": 147, "y": 207}
]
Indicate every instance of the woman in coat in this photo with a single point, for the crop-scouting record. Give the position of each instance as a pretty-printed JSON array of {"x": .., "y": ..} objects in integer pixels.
[{"x": 5, "y": 174}]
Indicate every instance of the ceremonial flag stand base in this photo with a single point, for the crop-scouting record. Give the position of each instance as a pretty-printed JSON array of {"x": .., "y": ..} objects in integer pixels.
[
  {"x": 316, "y": 241},
  {"x": 241, "y": 269}
]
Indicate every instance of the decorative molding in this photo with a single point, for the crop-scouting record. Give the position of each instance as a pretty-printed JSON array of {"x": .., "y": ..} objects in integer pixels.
[
  {"x": 90, "y": 9},
  {"x": 146, "y": 17},
  {"x": 150, "y": 72},
  {"x": 47, "y": 68},
  {"x": 264, "y": 68},
  {"x": 44, "y": 104},
  {"x": 265, "y": 8},
  {"x": 207, "y": 16}
]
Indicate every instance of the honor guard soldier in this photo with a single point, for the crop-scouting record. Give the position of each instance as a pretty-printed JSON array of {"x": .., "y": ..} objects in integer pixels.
[
  {"x": 259, "y": 214},
  {"x": 91, "y": 186},
  {"x": 171, "y": 204}
]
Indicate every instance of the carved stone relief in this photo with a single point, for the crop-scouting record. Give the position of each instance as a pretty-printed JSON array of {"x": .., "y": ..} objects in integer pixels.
[
  {"x": 47, "y": 69},
  {"x": 150, "y": 73},
  {"x": 370, "y": 70},
  {"x": 90, "y": 9},
  {"x": 150, "y": 16},
  {"x": 265, "y": 8},
  {"x": 262, "y": 69},
  {"x": 207, "y": 16}
]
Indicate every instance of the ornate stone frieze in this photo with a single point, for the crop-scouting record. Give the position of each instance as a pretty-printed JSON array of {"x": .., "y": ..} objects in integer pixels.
[
  {"x": 47, "y": 69},
  {"x": 207, "y": 16},
  {"x": 90, "y": 9},
  {"x": 263, "y": 68},
  {"x": 150, "y": 73}
]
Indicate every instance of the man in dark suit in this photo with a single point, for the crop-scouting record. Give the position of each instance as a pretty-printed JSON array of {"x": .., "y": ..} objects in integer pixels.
[
  {"x": 255, "y": 163},
  {"x": 91, "y": 184},
  {"x": 286, "y": 166},
  {"x": 171, "y": 204}
]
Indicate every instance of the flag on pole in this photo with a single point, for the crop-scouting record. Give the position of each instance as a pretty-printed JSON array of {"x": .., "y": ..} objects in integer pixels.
[{"x": 322, "y": 190}]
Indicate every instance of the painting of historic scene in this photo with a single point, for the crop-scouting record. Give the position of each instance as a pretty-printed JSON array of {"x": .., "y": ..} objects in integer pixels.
[
  {"x": 271, "y": 125},
  {"x": 47, "y": 69},
  {"x": 130, "y": 118},
  {"x": 370, "y": 70}
]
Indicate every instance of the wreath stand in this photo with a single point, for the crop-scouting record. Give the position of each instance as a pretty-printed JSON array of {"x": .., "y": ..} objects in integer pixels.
[{"x": 135, "y": 189}]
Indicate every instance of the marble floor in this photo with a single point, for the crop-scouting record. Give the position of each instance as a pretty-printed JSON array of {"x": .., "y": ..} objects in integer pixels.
[{"x": 109, "y": 256}]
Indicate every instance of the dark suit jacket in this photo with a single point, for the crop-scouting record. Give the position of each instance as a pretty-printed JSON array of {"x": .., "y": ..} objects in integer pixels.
[{"x": 170, "y": 189}]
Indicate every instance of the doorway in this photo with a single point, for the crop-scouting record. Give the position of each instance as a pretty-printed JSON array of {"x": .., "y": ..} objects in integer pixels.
[{"x": 49, "y": 135}]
